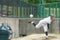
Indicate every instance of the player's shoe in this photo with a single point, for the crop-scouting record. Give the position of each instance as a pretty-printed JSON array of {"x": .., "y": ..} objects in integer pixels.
[{"x": 46, "y": 37}]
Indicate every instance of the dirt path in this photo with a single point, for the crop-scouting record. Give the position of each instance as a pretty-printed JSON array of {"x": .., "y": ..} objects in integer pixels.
[{"x": 40, "y": 37}]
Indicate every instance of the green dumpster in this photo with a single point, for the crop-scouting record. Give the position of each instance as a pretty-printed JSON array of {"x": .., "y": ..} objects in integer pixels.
[
  {"x": 4, "y": 35},
  {"x": 5, "y": 32}
]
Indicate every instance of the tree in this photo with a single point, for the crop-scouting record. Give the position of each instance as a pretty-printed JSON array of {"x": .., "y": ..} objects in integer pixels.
[
  {"x": 33, "y": 1},
  {"x": 50, "y": 1}
]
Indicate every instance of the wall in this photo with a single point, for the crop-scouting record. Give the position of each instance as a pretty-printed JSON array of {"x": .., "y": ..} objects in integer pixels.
[
  {"x": 13, "y": 23},
  {"x": 21, "y": 26},
  {"x": 26, "y": 28}
]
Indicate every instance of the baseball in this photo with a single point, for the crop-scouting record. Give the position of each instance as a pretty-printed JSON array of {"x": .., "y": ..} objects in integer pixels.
[{"x": 31, "y": 15}]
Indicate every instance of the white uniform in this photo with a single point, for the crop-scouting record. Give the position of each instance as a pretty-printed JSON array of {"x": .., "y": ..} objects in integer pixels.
[{"x": 43, "y": 23}]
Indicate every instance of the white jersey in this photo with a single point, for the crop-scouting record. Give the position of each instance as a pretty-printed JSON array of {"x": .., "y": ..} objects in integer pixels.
[
  {"x": 43, "y": 23},
  {"x": 46, "y": 20}
]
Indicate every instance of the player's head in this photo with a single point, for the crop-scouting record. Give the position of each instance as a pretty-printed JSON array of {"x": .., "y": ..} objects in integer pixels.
[{"x": 52, "y": 16}]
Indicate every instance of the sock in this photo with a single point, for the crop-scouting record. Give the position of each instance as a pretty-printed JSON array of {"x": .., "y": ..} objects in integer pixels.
[
  {"x": 34, "y": 24},
  {"x": 46, "y": 33}
]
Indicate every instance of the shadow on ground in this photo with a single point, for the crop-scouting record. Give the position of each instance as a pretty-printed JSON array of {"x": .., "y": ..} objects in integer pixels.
[{"x": 49, "y": 38}]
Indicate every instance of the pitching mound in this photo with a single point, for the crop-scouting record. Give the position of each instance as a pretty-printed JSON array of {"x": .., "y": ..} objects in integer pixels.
[
  {"x": 49, "y": 38},
  {"x": 40, "y": 37}
]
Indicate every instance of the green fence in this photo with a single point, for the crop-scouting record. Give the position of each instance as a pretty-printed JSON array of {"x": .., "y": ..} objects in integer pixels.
[
  {"x": 45, "y": 10},
  {"x": 20, "y": 9},
  {"x": 16, "y": 8}
]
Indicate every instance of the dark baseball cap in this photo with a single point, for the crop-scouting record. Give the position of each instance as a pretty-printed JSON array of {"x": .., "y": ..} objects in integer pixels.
[{"x": 51, "y": 14}]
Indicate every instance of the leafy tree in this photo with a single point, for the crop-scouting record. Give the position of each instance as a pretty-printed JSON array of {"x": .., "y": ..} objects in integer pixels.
[
  {"x": 33, "y": 1},
  {"x": 50, "y": 1},
  {"x": 37, "y": 1}
]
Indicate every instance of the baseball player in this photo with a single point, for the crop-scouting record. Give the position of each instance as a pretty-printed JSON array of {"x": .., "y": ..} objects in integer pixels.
[{"x": 44, "y": 23}]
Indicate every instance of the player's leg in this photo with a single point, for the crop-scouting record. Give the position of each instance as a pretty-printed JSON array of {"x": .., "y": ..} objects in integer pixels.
[
  {"x": 46, "y": 30},
  {"x": 46, "y": 33},
  {"x": 36, "y": 25},
  {"x": 39, "y": 25}
]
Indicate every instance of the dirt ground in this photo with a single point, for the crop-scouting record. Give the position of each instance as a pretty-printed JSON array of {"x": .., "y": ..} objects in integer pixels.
[{"x": 39, "y": 37}]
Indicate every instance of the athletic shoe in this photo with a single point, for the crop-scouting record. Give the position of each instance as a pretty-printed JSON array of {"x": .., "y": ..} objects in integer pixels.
[{"x": 46, "y": 37}]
